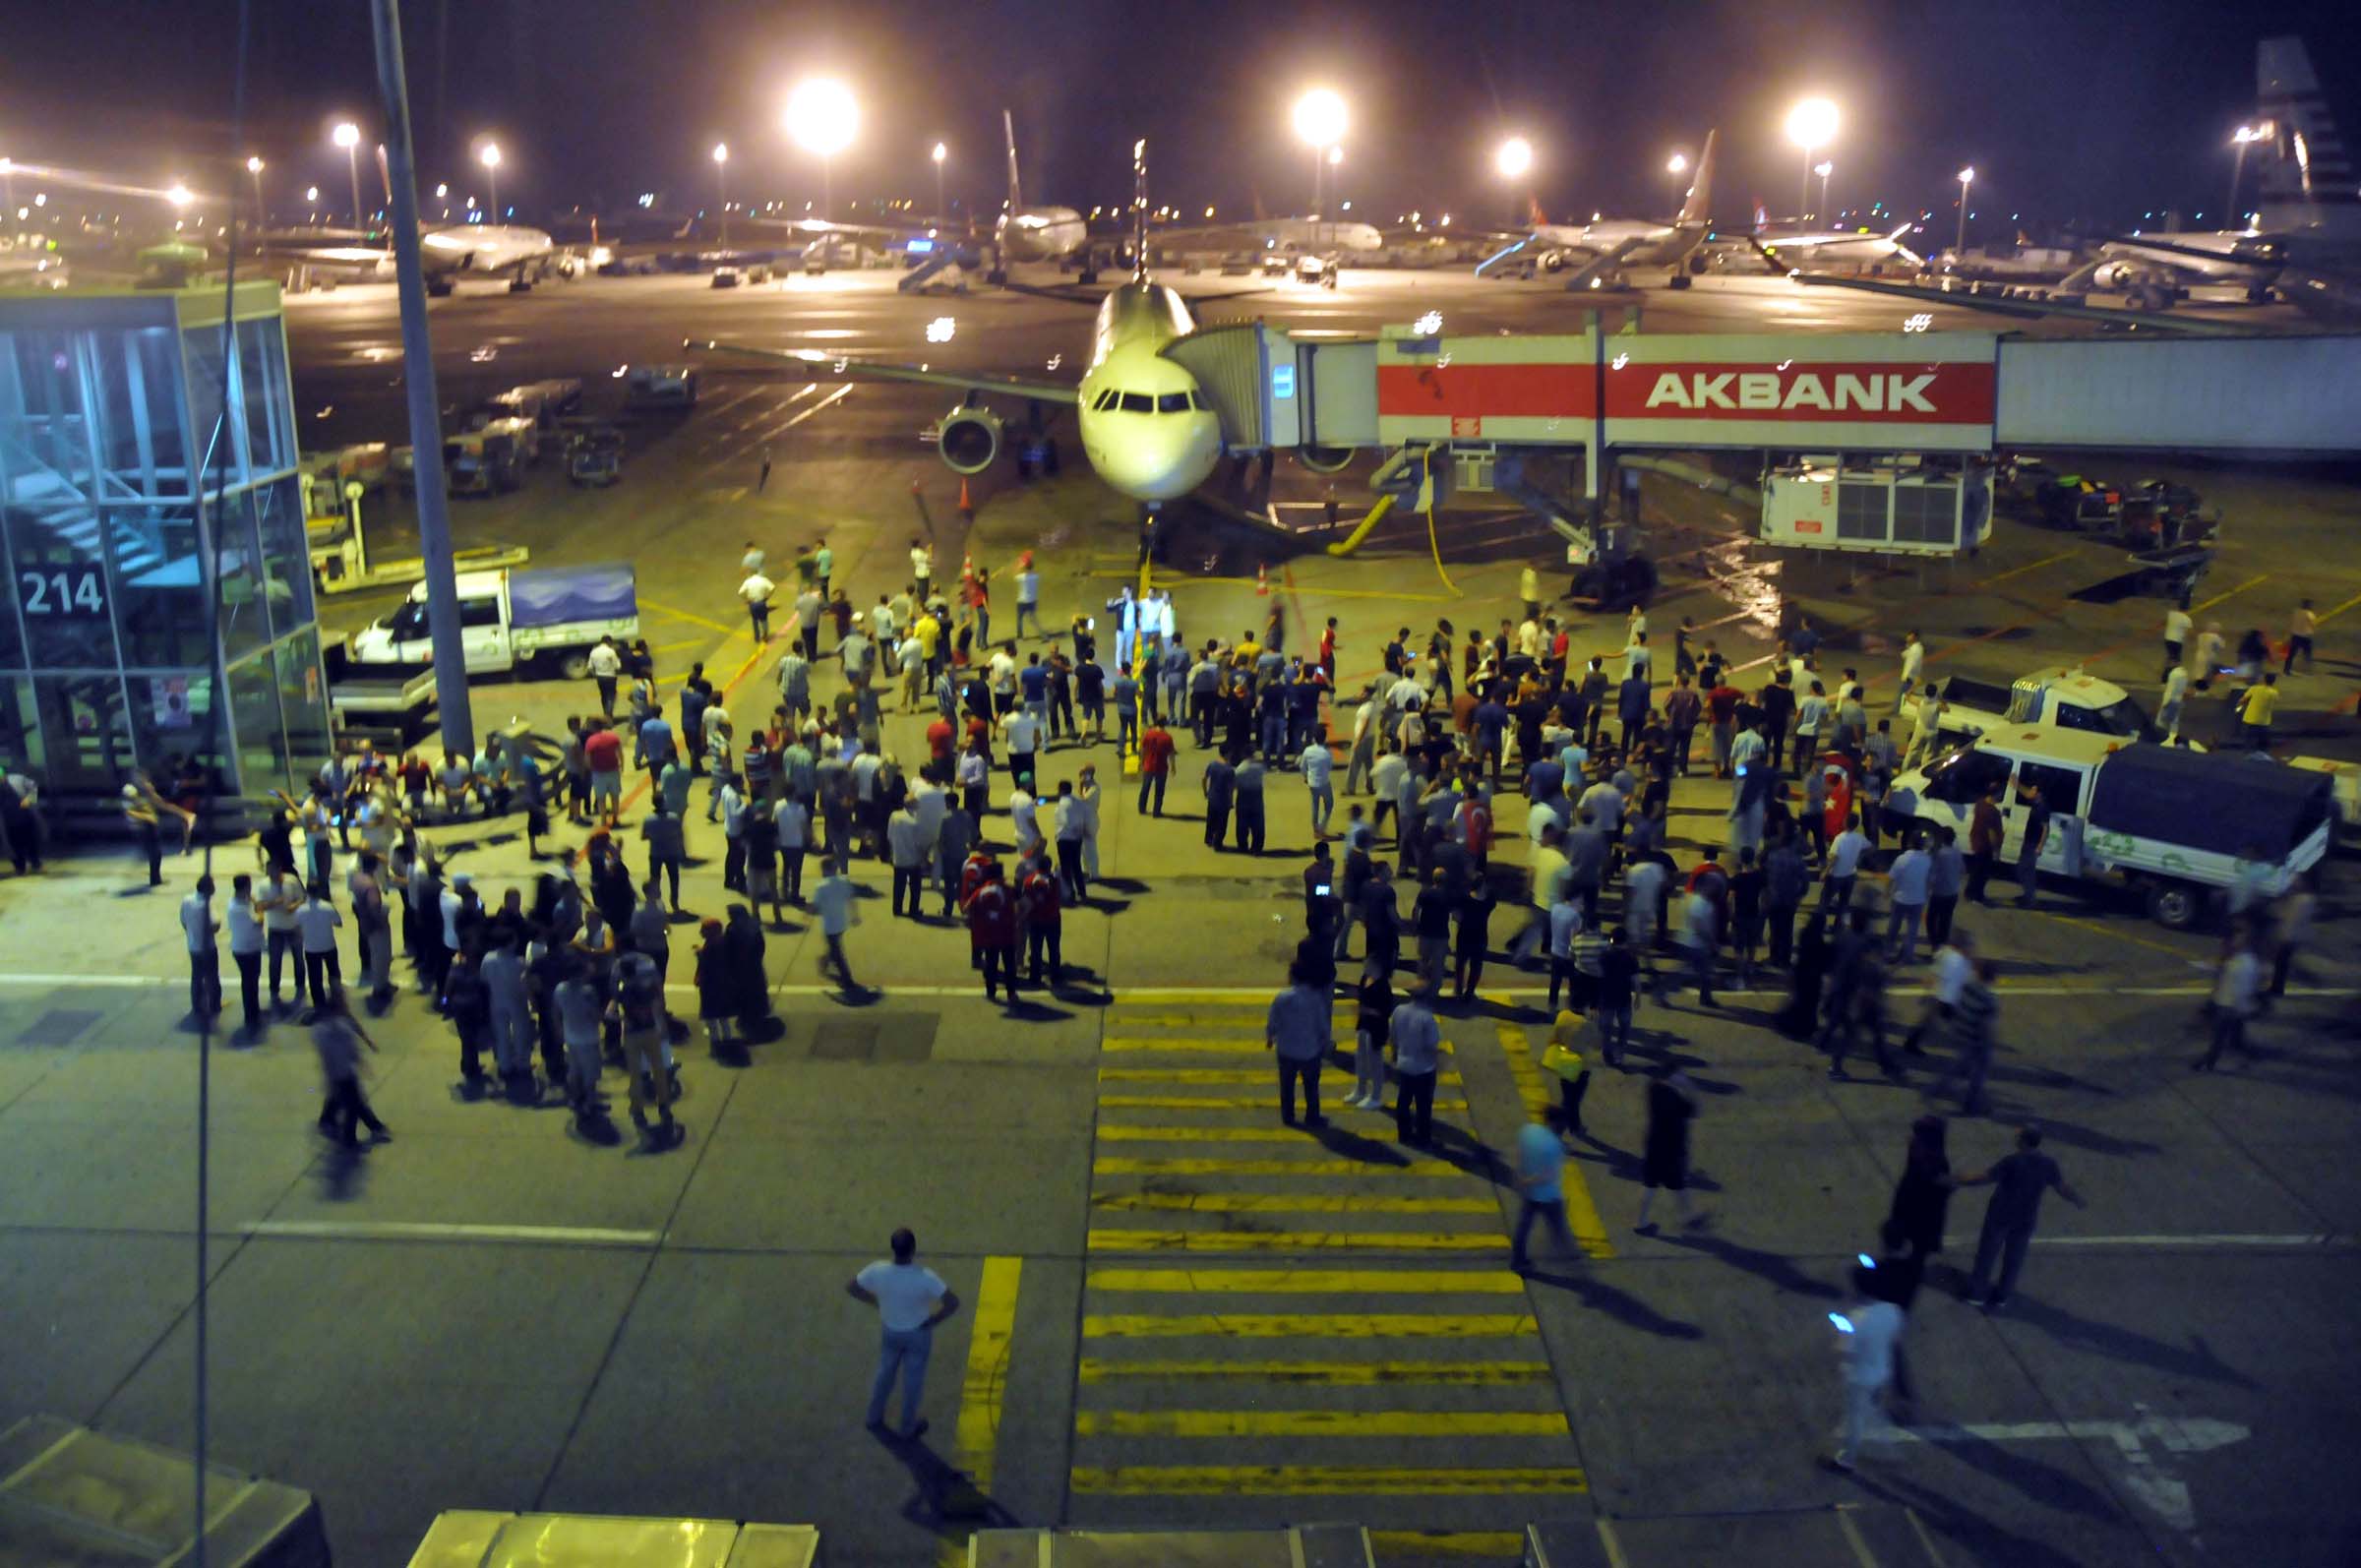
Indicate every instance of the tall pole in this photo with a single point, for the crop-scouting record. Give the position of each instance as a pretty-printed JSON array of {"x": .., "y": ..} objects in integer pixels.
[
  {"x": 418, "y": 364},
  {"x": 826, "y": 188},
  {"x": 1319, "y": 172},
  {"x": 2237, "y": 168},
  {"x": 352, "y": 166},
  {"x": 1803, "y": 198}
]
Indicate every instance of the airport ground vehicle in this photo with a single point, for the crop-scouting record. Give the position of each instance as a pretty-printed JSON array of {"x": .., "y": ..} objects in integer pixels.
[
  {"x": 2059, "y": 694},
  {"x": 484, "y": 462},
  {"x": 2061, "y": 500},
  {"x": 390, "y": 704},
  {"x": 2174, "y": 825},
  {"x": 1237, "y": 263},
  {"x": 660, "y": 387},
  {"x": 594, "y": 456},
  {"x": 550, "y": 615},
  {"x": 725, "y": 277}
]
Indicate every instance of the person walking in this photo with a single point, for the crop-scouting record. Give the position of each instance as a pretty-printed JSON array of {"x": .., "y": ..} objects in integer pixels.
[
  {"x": 1665, "y": 1162},
  {"x": 1318, "y": 765},
  {"x": 337, "y": 1037},
  {"x": 2236, "y": 999},
  {"x": 834, "y": 902},
  {"x": 1039, "y": 913},
  {"x": 1563, "y": 1057},
  {"x": 2301, "y": 628},
  {"x": 756, "y": 589},
  {"x": 1299, "y": 1030},
  {"x": 906, "y": 844},
  {"x": 639, "y": 1008},
  {"x": 1910, "y": 883},
  {"x": 1974, "y": 1014},
  {"x": 606, "y": 671},
  {"x": 911, "y": 1301},
  {"x": 1373, "y": 1014},
  {"x": 1247, "y": 806},
  {"x": 2177, "y": 625},
  {"x": 1540, "y": 1193},
  {"x": 2256, "y": 706},
  {"x": 1914, "y": 669},
  {"x": 1870, "y": 1330},
  {"x": 991, "y": 932},
  {"x": 1418, "y": 1046},
  {"x": 2018, "y": 1182},
  {"x": 1156, "y": 749}
]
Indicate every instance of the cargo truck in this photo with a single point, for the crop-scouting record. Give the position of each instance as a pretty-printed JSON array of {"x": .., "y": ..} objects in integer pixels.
[{"x": 548, "y": 615}]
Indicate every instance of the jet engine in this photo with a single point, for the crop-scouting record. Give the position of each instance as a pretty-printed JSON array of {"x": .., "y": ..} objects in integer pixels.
[
  {"x": 1326, "y": 459},
  {"x": 969, "y": 438}
]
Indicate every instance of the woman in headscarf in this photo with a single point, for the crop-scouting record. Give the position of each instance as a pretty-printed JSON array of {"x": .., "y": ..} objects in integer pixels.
[
  {"x": 717, "y": 990},
  {"x": 749, "y": 985}
]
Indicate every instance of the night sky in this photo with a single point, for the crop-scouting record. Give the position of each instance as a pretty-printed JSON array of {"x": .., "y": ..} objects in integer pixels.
[{"x": 2079, "y": 111}]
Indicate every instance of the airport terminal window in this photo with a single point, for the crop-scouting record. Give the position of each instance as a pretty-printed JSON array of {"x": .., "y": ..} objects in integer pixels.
[
  {"x": 263, "y": 384},
  {"x": 285, "y": 554},
  {"x": 1861, "y": 511},
  {"x": 60, "y": 586},
  {"x": 44, "y": 420},
  {"x": 159, "y": 585},
  {"x": 262, "y": 737},
  {"x": 1173, "y": 404},
  {"x": 1138, "y": 404},
  {"x": 216, "y": 449},
  {"x": 302, "y": 704},
  {"x": 245, "y": 601},
  {"x": 85, "y": 731},
  {"x": 1926, "y": 513},
  {"x": 137, "y": 389}
]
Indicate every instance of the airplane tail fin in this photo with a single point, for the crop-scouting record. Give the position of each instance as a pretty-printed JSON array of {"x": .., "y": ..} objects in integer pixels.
[
  {"x": 1896, "y": 235},
  {"x": 1016, "y": 191},
  {"x": 2305, "y": 166},
  {"x": 1699, "y": 207},
  {"x": 1532, "y": 210}
]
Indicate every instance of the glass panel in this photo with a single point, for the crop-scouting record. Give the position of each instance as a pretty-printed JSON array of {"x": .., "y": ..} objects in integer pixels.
[
  {"x": 216, "y": 449},
  {"x": 21, "y": 749},
  {"x": 286, "y": 554},
  {"x": 245, "y": 617},
  {"x": 159, "y": 585},
  {"x": 84, "y": 730},
  {"x": 262, "y": 377},
  {"x": 60, "y": 585},
  {"x": 135, "y": 383},
  {"x": 303, "y": 703},
  {"x": 262, "y": 741},
  {"x": 172, "y": 724},
  {"x": 44, "y": 428},
  {"x": 12, "y": 631}
]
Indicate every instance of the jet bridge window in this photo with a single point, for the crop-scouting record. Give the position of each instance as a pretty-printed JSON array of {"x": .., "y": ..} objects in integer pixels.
[
  {"x": 1138, "y": 404},
  {"x": 1173, "y": 404}
]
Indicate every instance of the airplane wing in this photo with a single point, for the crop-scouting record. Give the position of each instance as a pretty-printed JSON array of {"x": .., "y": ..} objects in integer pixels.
[
  {"x": 1598, "y": 267},
  {"x": 2002, "y": 305},
  {"x": 1771, "y": 262},
  {"x": 813, "y": 360},
  {"x": 1523, "y": 244}
]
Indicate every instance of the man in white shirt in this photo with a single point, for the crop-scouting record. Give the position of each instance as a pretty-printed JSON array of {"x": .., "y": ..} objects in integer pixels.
[
  {"x": 281, "y": 896},
  {"x": 1069, "y": 822},
  {"x": 1363, "y": 755},
  {"x": 1604, "y": 803},
  {"x": 1866, "y": 1333},
  {"x": 205, "y": 963},
  {"x": 2168, "y": 707},
  {"x": 1924, "y": 729},
  {"x": 246, "y": 949},
  {"x": 1811, "y": 721},
  {"x": 317, "y": 921},
  {"x": 910, "y": 1301},
  {"x": 756, "y": 590},
  {"x": 1020, "y": 820},
  {"x": 1907, "y": 881},
  {"x": 606, "y": 668},
  {"x": 834, "y": 902},
  {"x": 1913, "y": 668},
  {"x": 1954, "y": 968},
  {"x": 2177, "y": 625},
  {"x": 1845, "y": 864},
  {"x": 1417, "y": 1040},
  {"x": 1405, "y": 694},
  {"x": 2237, "y": 998},
  {"x": 1550, "y": 881},
  {"x": 1024, "y": 731},
  {"x": 1637, "y": 660}
]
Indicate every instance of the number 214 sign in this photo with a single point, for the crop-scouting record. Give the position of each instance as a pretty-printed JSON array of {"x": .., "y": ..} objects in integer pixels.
[{"x": 69, "y": 592}]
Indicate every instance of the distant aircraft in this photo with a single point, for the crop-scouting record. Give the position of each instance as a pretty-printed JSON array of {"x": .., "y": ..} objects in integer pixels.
[
  {"x": 1146, "y": 426},
  {"x": 1832, "y": 249},
  {"x": 1034, "y": 234},
  {"x": 1602, "y": 250},
  {"x": 445, "y": 251}
]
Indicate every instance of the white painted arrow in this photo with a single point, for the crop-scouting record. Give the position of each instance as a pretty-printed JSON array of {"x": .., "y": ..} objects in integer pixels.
[{"x": 2143, "y": 1475}]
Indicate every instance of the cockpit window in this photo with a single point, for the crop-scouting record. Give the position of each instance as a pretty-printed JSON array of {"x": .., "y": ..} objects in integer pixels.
[
  {"x": 1173, "y": 404},
  {"x": 1196, "y": 401},
  {"x": 1105, "y": 400},
  {"x": 1138, "y": 404}
]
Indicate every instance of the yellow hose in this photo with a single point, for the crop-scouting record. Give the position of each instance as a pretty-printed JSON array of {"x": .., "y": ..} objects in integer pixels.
[
  {"x": 1360, "y": 530},
  {"x": 1437, "y": 548}
]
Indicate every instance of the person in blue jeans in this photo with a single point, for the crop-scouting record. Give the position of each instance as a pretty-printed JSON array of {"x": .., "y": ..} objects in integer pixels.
[
  {"x": 910, "y": 1301},
  {"x": 1541, "y": 1184}
]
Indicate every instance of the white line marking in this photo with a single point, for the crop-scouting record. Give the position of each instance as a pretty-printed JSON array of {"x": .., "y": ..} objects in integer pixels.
[
  {"x": 2152, "y": 1481},
  {"x": 390, "y": 1230},
  {"x": 2321, "y": 1240}
]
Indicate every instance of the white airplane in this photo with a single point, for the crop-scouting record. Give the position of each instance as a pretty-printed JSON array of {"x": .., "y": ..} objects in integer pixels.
[
  {"x": 1034, "y": 234},
  {"x": 1146, "y": 426},
  {"x": 1599, "y": 251},
  {"x": 1834, "y": 249},
  {"x": 445, "y": 251}
]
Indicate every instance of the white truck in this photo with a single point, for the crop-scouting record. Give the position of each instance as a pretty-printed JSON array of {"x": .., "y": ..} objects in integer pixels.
[
  {"x": 512, "y": 619},
  {"x": 2061, "y": 695},
  {"x": 2175, "y": 825}
]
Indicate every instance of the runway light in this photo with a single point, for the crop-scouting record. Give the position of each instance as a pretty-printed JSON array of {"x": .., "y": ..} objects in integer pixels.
[
  {"x": 940, "y": 329},
  {"x": 1514, "y": 159}
]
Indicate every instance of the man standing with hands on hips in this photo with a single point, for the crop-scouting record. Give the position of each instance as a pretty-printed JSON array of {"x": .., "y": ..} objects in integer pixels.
[{"x": 910, "y": 1301}]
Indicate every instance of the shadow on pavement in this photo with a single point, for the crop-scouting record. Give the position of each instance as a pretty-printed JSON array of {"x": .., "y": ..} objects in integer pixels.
[
  {"x": 1773, "y": 1268},
  {"x": 2195, "y": 1359},
  {"x": 1621, "y": 1305}
]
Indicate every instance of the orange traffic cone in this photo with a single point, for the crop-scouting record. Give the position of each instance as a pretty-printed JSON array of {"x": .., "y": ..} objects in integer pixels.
[
  {"x": 964, "y": 505},
  {"x": 1263, "y": 583}
]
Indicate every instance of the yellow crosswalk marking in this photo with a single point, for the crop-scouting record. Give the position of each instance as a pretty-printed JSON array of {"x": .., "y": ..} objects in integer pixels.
[
  {"x": 1324, "y": 1374},
  {"x": 1267, "y": 1100},
  {"x": 1321, "y": 1481},
  {"x": 1325, "y": 1327},
  {"x": 1293, "y": 1241},
  {"x": 1212, "y": 1075},
  {"x": 1290, "y": 1203},
  {"x": 1124, "y": 1165},
  {"x": 1319, "y": 1424},
  {"x": 1505, "y": 1545},
  {"x": 1582, "y": 1211},
  {"x": 1112, "y": 1133},
  {"x": 1310, "y": 1282}
]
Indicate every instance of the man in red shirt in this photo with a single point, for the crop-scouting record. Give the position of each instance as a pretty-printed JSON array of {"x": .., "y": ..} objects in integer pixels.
[
  {"x": 1328, "y": 648},
  {"x": 1155, "y": 765},
  {"x": 992, "y": 930},
  {"x": 603, "y": 749},
  {"x": 1722, "y": 710},
  {"x": 940, "y": 736},
  {"x": 1038, "y": 907}
]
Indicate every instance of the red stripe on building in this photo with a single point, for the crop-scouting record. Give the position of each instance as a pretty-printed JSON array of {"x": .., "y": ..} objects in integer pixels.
[{"x": 1500, "y": 391}]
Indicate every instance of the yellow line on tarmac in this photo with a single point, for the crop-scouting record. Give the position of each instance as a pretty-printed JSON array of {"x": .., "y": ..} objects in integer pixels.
[
  {"x": 1306, "y": 588},
  {"x": 2340, "y": 610},
  {"x": 1109, "y": 1132},
  {"x": 1209, "y": 1075},
  {"x": 1309, "y": 1282},
  {"x": 1124, "y": 1165},
  {"x": 1508, "y": 1545},
  {"x": 1582, "y": 1210},
  {"x": 2232, "y": 593},
  {"x": 993, "y": 1323},
  {"x": 1291, "y": 1242},
  {"x": 1218, "y": 1101},
  {"x": 1321, "y": 1326},
  {"x": 1321, "y": 1481},
  {"x": 2112, "y": 933},
  {"x": 1289, "y": 1203},
  {"x": 2017, "y": 572},
  {"x": 1325, "y": 1374},
  {"x": 693, "y": 619},
  {"x": 1319, "y": 1424}
]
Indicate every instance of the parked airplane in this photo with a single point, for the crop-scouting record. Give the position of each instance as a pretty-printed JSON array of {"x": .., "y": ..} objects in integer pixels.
[
  {"x": 1836, "y": 249},
  {"x": 445, "y": 250},
  {"x": 1034, "y": 234},
  {"x": 1600, "y": 250},
  {"x": 1146, "y": 426}
]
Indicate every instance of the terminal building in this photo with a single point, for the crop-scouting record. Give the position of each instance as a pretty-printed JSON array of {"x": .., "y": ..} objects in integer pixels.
[{"x": 150, "y": 510}]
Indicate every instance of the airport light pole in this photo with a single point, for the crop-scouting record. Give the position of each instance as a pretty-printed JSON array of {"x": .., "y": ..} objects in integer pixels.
[
  {"x": 1514, "y": 161},
  {"x": 1824, "y": 169},
  {"x": 418, "y": 379},
  {"x": 1319, "y": 118},
  {"x": 721, "y": 191},
  {"x": 489, "y": 157},
  {"x": 939, "y": 155},
  {"x": 1958, "y": 246},
  {"x": 1678, "y": 165},
  {"x": 821, "y": 117},
  {"x": 1335, "y": 160},
  {"x": 2247, "y": 135},
  {"x": 1811, "y": 126},
  {"x": 254, "y": 167},
  {"x": 348, "y": 136}
]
